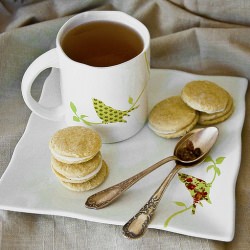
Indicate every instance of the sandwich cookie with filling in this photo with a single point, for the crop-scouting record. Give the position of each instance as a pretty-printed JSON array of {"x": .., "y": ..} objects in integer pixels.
[
  {"x": 211, "y": 119},
  {"x": 205, "y": 96},
  {"x": 78, "y": 172},
  {"x": 75, "y": 144},
  {"x": 214, "y": 103},
  {"x": 90, "y": 184},
  {"x": 172, "y": 118}
]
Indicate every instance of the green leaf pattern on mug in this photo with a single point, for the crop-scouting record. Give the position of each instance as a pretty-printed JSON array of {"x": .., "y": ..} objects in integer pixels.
[
  {"x": 73, "y": 107},
  {"x": 106, "y": 113},
  {"x": 130, "y": 100},
  {"x": 198, "y": 188},
  {"x": 80, "y": 118}
]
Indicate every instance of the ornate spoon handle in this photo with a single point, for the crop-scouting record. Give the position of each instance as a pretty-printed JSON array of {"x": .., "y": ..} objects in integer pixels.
[
  {"x": 138, "y": 225},
  {"x": 107, "y": 196}
]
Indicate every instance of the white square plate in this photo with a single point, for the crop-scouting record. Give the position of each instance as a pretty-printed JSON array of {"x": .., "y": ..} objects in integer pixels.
[{"x": 28, "y": 184}]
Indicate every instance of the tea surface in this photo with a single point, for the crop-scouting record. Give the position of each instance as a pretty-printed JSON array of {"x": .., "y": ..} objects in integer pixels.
[{"x": 102, "y": 43}]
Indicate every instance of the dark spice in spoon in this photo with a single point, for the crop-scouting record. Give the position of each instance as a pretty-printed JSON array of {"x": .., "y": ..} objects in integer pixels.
[{"x": 189, "y": 153}]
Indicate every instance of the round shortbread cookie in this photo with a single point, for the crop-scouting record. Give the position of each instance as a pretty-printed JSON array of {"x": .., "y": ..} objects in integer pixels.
[
  {"x": 75, "y": 144},
  {"x": 92, "y": 183},
  {"x": 209, "y": 117},
  {"x": 181, "y": 132},
  {"x": 205, "y": 96},
  {"x": 171, "y": 116},
  {"x": 218, "y": 119},
  {"x": 77, "y": 173}
]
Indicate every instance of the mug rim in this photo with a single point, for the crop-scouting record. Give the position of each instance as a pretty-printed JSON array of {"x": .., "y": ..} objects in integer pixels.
[{"x": 144, "y": 34}]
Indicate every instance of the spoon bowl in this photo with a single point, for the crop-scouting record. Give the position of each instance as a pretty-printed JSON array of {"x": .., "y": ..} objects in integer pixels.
[{"x": 202, "y": 138}]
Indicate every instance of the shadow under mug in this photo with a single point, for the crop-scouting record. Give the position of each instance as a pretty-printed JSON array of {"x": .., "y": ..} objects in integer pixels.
[{"x": 112, "y": 100}]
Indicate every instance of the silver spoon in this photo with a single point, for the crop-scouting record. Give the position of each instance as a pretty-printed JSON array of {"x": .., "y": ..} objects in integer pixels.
[
  {"x": 107, "y": 196},
  {"x": 137, "y": 225}
]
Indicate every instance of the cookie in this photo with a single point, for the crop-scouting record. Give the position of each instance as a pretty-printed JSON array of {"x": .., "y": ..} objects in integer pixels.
[
  {"x": 181, "y": 132},
  {"x": 217, "y": 120},
  {"x": 92, "y": 183},
  {"x": 77, "y": 173},
  {"x": 205, "y": 96},
  {"x": 211, "y": 119},
  {"x": 75, "y": 144},
  {"x": 172, "y": 118}
]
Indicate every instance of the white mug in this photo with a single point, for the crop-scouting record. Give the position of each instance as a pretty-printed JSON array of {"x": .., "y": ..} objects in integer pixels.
[{"x": 112, "y": 100}]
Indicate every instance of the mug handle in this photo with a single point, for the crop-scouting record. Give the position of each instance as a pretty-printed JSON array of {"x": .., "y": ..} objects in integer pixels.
[{"x": 46, "y": 60}]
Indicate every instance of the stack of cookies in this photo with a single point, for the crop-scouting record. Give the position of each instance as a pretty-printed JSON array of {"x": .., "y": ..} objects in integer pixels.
[
  {"x": 200, "y": 102},
  {"x": 214, "y": 103},
  {"x": 76, "y": 158}
]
